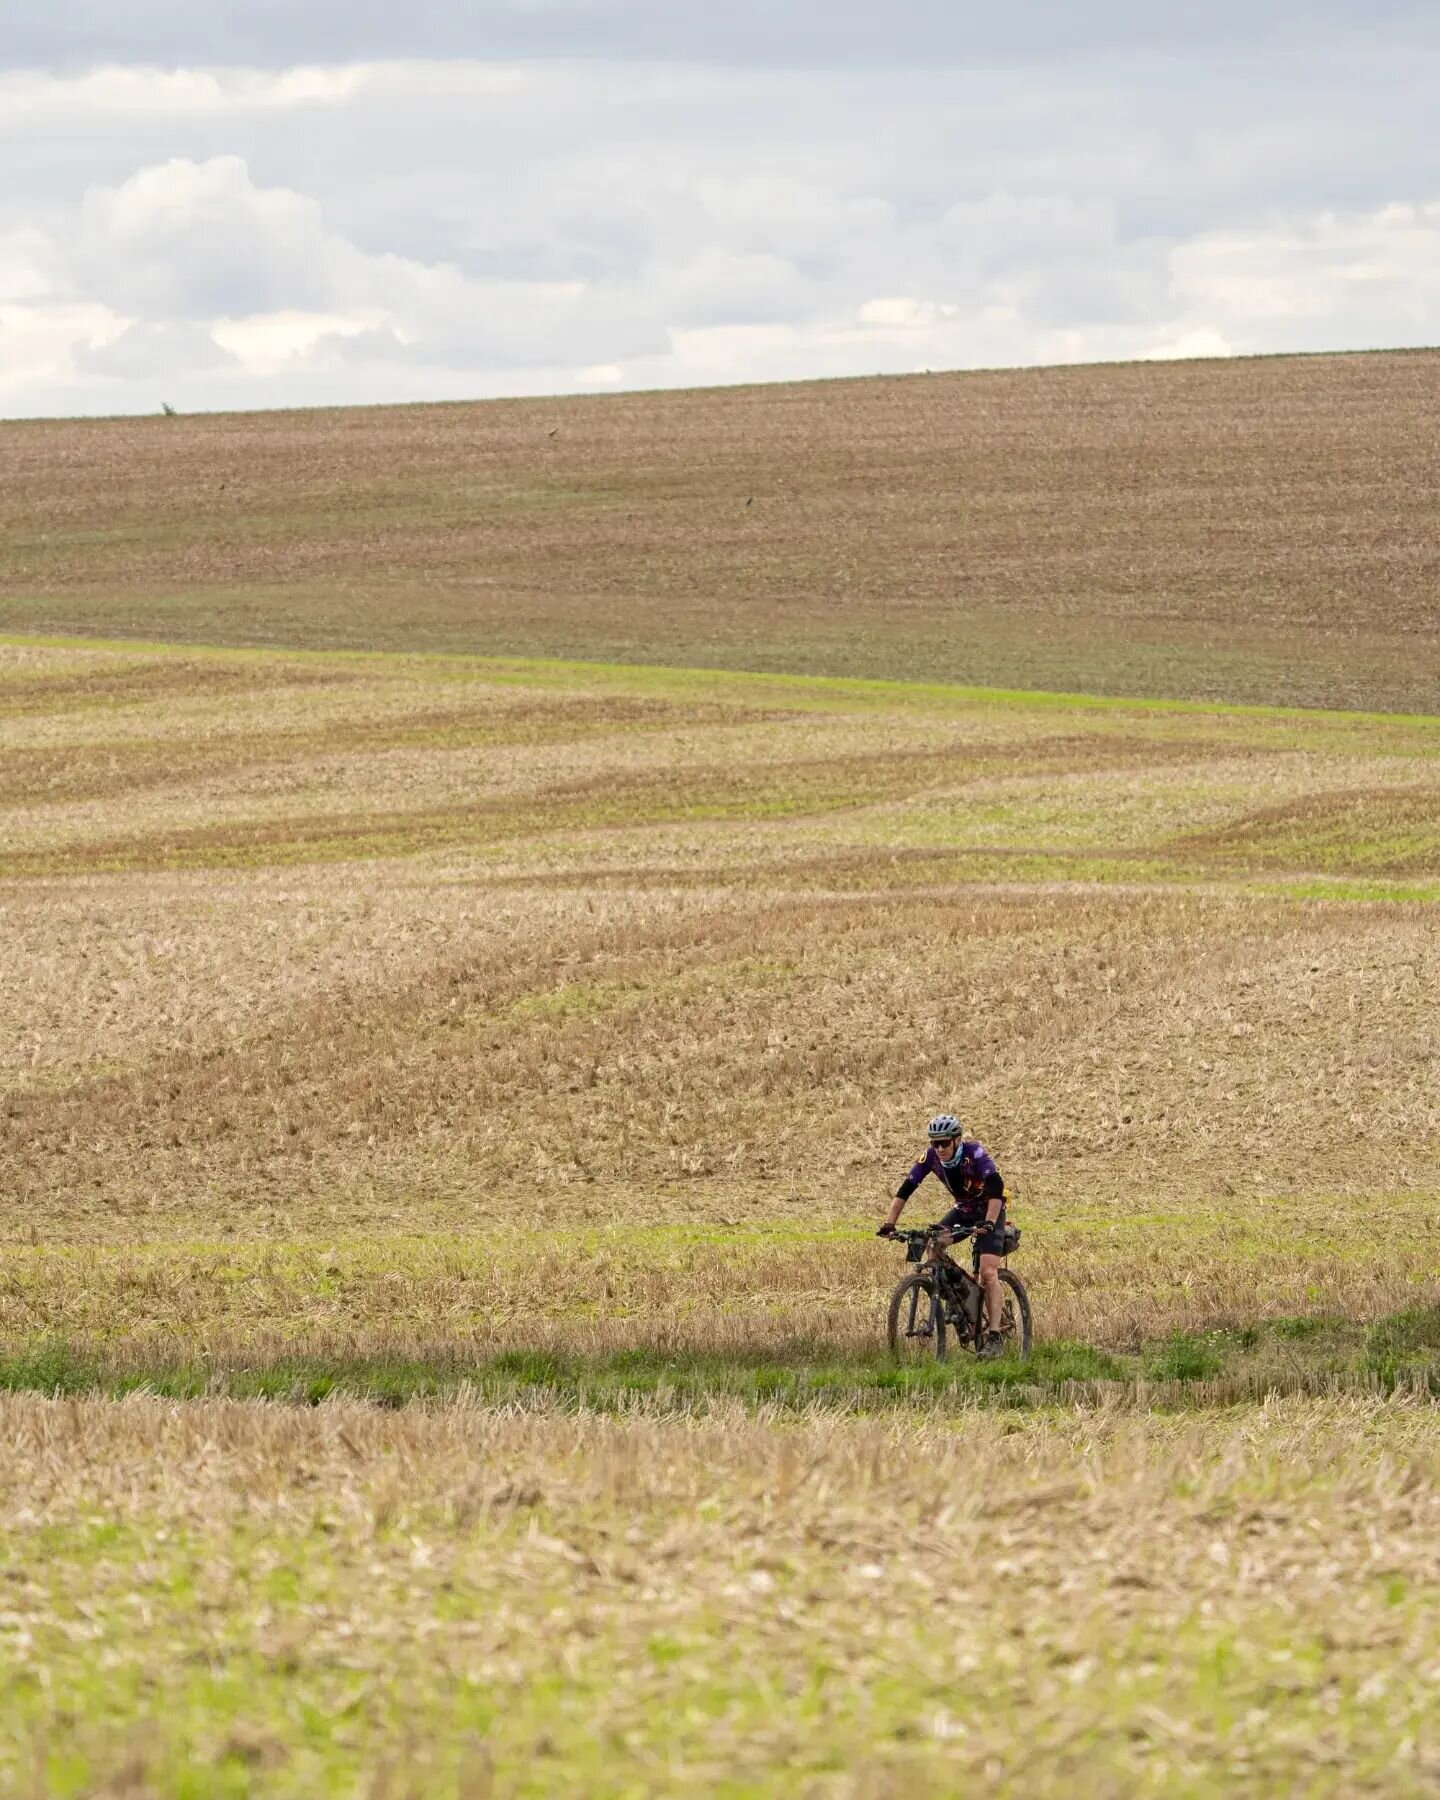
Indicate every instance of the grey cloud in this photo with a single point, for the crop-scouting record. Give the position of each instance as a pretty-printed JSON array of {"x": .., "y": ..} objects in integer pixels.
[
  {"x": 514, "y": 325},
  {"x": 813, "y": 33},
  {"x": 720, "y": 287},
  {"x": 554, "y": 172},
  {"x": 147, "y": 351}
]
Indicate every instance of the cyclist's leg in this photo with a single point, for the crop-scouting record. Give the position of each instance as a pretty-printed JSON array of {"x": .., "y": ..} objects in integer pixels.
[
  {"x": 994, "y": 1300},
  {"x": 988, "y": 1241}
]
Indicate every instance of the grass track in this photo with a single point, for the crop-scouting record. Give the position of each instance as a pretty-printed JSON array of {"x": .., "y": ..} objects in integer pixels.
[{"x": 1308, "y": 1354}]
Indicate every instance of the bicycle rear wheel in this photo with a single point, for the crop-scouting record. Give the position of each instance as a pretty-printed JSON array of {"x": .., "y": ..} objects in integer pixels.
[
  {"x": 917, "y": 1321},
  {"x": 1015, "y": 1329}
]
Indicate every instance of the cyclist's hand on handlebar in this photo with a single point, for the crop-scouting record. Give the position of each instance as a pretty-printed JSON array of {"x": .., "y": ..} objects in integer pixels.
[{"x": 886, "y": 1230}]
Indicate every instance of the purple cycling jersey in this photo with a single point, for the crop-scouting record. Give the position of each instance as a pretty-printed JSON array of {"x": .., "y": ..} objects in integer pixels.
[{"x": 969, "y": 1182}]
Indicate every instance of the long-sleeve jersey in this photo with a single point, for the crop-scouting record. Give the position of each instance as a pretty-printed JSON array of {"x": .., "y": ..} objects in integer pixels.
[{"x": 971, "y": 1182}]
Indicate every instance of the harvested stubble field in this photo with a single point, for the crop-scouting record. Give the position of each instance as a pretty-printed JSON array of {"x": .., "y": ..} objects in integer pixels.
[
  {"x": 227, "y": 1598},
  {"x": 448, "y": 1098}
]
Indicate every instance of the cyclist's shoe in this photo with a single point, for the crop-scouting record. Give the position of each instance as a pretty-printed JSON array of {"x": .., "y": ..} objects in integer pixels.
[{"x": 992, "y": 1347}]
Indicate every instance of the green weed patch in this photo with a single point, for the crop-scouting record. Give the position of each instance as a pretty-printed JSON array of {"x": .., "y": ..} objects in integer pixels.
[{"x": 1281, "y": 1355}]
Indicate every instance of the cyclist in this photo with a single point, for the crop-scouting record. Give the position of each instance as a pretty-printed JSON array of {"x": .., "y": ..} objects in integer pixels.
[{"x": 967, "y": 1172}]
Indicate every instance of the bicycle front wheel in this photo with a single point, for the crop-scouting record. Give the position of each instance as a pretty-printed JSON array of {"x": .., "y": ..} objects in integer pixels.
[{"x": 917, "y": 1321}]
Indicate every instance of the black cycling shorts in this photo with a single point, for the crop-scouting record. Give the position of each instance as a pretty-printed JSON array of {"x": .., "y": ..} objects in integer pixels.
[{"x": 988, "y": 1239}]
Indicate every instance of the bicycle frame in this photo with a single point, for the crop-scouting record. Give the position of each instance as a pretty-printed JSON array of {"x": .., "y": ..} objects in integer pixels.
[{"x": 958, "y": 1288}]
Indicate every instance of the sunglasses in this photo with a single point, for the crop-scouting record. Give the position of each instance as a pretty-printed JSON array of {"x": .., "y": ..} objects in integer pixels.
[{"x": 944, "y": 1143}]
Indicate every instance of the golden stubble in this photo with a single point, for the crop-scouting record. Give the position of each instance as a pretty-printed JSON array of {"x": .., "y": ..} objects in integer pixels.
[
  {"x": 642, "y": 1565},
  {"x": 808, "y": 904}
]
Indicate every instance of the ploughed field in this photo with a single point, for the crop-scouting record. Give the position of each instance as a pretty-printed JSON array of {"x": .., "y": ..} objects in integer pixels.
[
  {"x": 448, "y": 1101},
  {"x": 1246, "y": 530}
]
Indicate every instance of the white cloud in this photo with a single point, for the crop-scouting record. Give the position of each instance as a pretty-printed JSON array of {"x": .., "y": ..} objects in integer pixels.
[
  {"x": 907, "y": 314},
  {"x": 1201, "y": 341},
  {"x": 31, "y": 99},
  {"x": 39, "y": 346},
  {"x": 193, "y": 266},
  {"x": 1377, "y": 273},
  {"x": 191, "y": 240},
  {"x": 27, "y": 256},
  {"x": 267, "y": 343}
]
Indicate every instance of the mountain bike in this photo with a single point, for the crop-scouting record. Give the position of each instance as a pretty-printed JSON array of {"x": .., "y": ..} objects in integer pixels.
[{"x": 941, "y": 1299}]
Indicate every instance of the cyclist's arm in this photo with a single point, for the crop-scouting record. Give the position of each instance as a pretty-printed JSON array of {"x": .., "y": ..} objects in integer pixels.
[
  {"x": 994, "y": 1192},
  {"x": 906, "y": 1188}
]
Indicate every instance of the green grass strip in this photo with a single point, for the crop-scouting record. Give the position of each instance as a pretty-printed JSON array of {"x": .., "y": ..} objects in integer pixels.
[
  {"x": 862, "y": 690},
  {"x": 1280, "y": 1355}
]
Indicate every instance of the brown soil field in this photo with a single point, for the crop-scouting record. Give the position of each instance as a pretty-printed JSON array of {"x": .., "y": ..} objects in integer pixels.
[{"x": 1249, "y": 530}]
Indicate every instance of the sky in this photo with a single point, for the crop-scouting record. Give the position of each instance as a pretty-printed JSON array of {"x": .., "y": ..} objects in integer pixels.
[{"x": 255, "y": 203}]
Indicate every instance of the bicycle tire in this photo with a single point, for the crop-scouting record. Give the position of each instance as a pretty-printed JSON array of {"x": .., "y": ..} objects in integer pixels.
[
  {"x": 913, "y": 1287},
  {"x": 1022, "y": 1312}
]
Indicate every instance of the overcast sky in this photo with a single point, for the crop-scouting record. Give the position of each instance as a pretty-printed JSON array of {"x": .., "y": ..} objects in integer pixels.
[{"x": 228, "y": 203}]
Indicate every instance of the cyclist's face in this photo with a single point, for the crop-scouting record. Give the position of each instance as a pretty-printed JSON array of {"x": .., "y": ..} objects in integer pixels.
[{"x": 945, "y": 1146}]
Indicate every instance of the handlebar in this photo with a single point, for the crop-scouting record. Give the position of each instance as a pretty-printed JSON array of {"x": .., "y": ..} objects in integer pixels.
[{"x": 956, "y": 1233}]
